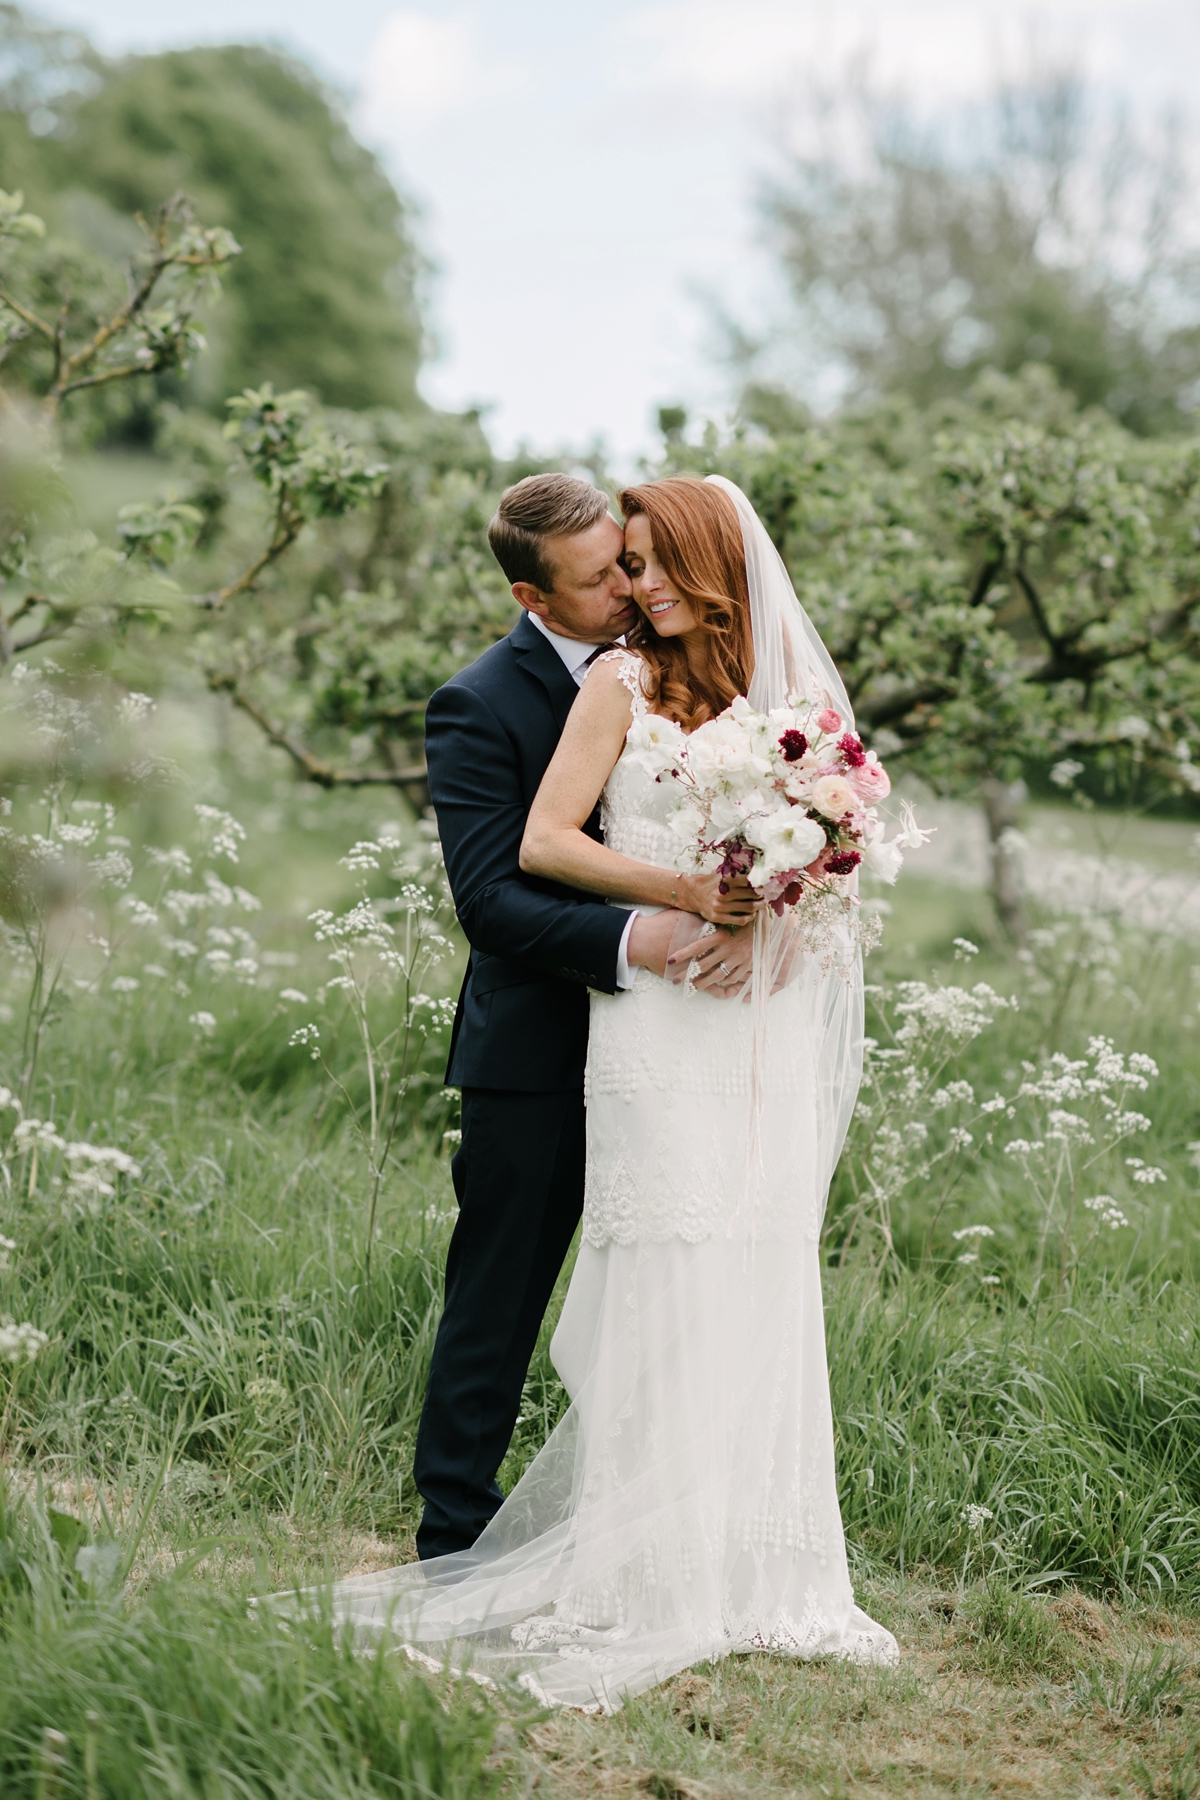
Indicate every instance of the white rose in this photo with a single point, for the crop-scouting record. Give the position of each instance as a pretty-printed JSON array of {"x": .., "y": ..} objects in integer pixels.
[
  {"x": 725, "y": 815},
  {"x": 799, "y": 777},
  {"x": 655, "y": 743},
  {"x": 754, "y": 800},
  {"x": 788, "y": 839},
  {"x": 833, "y": 796},
  {"x": 884, "y": 860},
  {"x": 719, "y": 749},
  {"x": 686, "y": 823}
]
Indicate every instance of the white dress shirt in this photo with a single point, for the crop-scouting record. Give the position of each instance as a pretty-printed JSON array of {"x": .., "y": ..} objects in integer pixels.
[{"x": 575, "y": 657}]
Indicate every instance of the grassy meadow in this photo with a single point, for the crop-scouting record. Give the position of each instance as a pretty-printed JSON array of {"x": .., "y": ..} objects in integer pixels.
[{"x": 236, "y": 1338}]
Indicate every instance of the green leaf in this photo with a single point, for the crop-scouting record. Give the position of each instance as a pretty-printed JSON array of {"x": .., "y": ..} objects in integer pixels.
[{"x": 68, "y": 1532}]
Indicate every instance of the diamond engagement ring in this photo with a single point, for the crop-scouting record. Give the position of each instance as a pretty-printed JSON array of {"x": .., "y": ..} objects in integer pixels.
[{"x": 724, "y": 968}]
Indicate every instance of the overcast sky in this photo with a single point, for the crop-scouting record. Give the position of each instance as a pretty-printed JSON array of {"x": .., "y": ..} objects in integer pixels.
[{"x": 586, "y": 174}]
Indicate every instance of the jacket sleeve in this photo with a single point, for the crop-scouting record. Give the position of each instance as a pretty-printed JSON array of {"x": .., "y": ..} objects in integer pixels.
[{"x": 475, "y": 787}]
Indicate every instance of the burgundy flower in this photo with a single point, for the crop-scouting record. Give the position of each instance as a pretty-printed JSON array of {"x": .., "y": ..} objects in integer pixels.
[
  {"x": 739, "y": 860},
  {"x": 793, "y": 744},
  {"x": 853, "y": 754},
  {"x": 844, "y": 863},
  {"x": 789, "y": 897}
]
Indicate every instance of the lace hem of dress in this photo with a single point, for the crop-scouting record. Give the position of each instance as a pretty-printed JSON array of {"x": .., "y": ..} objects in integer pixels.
[{"x": 813, "y": 1635}]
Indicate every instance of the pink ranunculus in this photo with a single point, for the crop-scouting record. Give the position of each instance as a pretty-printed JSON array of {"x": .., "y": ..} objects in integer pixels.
[
  {"x": 870, "y": 782},
  {"x": 829, "y": 720}
]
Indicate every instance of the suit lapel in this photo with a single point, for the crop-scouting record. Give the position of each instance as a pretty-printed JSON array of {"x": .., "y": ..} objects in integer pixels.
[{"x": 541, "y": 661}]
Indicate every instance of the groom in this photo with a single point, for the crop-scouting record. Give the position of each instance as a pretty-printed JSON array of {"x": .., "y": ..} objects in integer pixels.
[{"x": 520, "y": 1034}]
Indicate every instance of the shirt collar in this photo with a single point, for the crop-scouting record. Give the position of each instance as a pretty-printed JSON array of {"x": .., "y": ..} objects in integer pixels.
[{"x": 573, "y": 653}]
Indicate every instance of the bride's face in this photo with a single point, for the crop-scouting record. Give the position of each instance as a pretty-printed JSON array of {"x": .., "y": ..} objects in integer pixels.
[{"x": 669, "y": 614}]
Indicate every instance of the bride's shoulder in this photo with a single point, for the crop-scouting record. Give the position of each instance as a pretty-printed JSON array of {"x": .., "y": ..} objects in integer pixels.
[{"x": 622, "y": 668}]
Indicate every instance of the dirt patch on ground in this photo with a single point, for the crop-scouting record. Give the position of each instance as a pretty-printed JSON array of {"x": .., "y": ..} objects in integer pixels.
[
  {"x": 1085, "y": 1619},
  {"x": 760, "y": 1725}
]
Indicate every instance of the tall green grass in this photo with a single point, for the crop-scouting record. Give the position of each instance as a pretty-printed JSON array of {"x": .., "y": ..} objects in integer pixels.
[
  {"x": 230, "y": 1394},
  {"x": 187, "y": 1692},
  {"x": 1077, "y": 1426}
]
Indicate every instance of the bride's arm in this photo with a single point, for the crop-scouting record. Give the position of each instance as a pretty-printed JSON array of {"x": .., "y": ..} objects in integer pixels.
[{"x": 555, "y": 844}]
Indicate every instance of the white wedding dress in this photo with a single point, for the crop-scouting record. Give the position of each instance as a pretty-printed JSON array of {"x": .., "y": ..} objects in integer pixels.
[{"x": 686, "y": 1506}]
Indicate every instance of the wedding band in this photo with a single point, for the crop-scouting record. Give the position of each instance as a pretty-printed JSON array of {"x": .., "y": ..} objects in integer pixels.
[{"x": 724, "y": 968}]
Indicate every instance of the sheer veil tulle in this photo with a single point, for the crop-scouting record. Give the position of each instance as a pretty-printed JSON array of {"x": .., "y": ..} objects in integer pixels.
[
  {"x": 686, "y": 1505},
  {"x": 790, "y": 659},
  {"x": 789, "y": 656}
]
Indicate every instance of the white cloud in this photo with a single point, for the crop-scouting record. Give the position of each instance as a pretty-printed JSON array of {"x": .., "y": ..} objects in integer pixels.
[
  {"x": 938, "y": 49},
  {"x": 419, "y": 68}
]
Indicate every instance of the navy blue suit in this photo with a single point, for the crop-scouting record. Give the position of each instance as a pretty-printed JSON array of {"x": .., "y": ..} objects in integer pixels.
[{"x": 518, "y": 1053}]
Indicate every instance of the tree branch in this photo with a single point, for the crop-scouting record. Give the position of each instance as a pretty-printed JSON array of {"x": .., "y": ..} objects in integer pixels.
[
  {"x": 1066, "y": 664},
  {"x": 312, "y": 767},
  {"x": 23, "y": 312},
  {"x": 894, "y": 706},
  {"x": 1037, "y": 609},
  {"x": 984, "y": 580},
  {"x": 121, "y": 374},
  {"x": 67, "y": 377},
  {"x": 52, "y": 629},
  {"x": 403, "y": 709},
  {"x": 27, "y": 605},
  {"x": 64, "y": 378},
  {"x": 289, "y": 522}
]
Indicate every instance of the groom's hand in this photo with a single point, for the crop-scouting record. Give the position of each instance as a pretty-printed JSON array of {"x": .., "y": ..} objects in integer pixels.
[
  {"x": 676, "y": 936},
  {"x": 651, "y": 939}
]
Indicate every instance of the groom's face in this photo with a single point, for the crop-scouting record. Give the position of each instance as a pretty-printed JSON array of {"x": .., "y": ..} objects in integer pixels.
[{"x": 592, "y": 598}]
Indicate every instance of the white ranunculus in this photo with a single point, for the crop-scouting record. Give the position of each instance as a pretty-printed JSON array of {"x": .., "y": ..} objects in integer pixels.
[{"x": 788, "y": 839}]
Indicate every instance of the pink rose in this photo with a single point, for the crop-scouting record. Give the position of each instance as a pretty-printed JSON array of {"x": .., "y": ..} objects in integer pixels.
[
  {"x": 870, "y": 781},
  {"x": 829, "y": 720}
]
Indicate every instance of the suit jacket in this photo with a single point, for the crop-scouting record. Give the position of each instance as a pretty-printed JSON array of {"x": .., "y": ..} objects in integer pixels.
[{"x": 536, "y": 946}]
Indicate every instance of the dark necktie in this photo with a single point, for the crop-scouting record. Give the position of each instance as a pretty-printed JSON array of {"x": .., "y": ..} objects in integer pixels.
[{"x": 598, "y": 652}]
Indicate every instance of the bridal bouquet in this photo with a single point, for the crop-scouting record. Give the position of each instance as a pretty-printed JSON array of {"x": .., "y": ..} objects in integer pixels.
[{"x": 786, "y": 798}]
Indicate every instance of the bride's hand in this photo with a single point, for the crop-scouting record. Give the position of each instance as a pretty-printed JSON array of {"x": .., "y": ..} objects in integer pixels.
[{"x": 734, "y": 906}]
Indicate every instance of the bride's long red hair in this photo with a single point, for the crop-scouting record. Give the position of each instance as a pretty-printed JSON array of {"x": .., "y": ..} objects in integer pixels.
[{"x": 698, "y": 540}]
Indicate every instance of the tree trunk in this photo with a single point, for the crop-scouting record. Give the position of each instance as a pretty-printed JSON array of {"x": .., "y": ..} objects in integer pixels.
[{"x": 999, "y": 806}]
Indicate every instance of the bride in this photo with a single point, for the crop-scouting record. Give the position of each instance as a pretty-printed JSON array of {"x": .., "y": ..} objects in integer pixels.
[{"x": 686, "y": 1505}]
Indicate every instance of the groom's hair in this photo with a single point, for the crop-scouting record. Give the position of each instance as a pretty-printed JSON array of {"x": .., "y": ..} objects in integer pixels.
[{"x": 535, "y": 511}]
